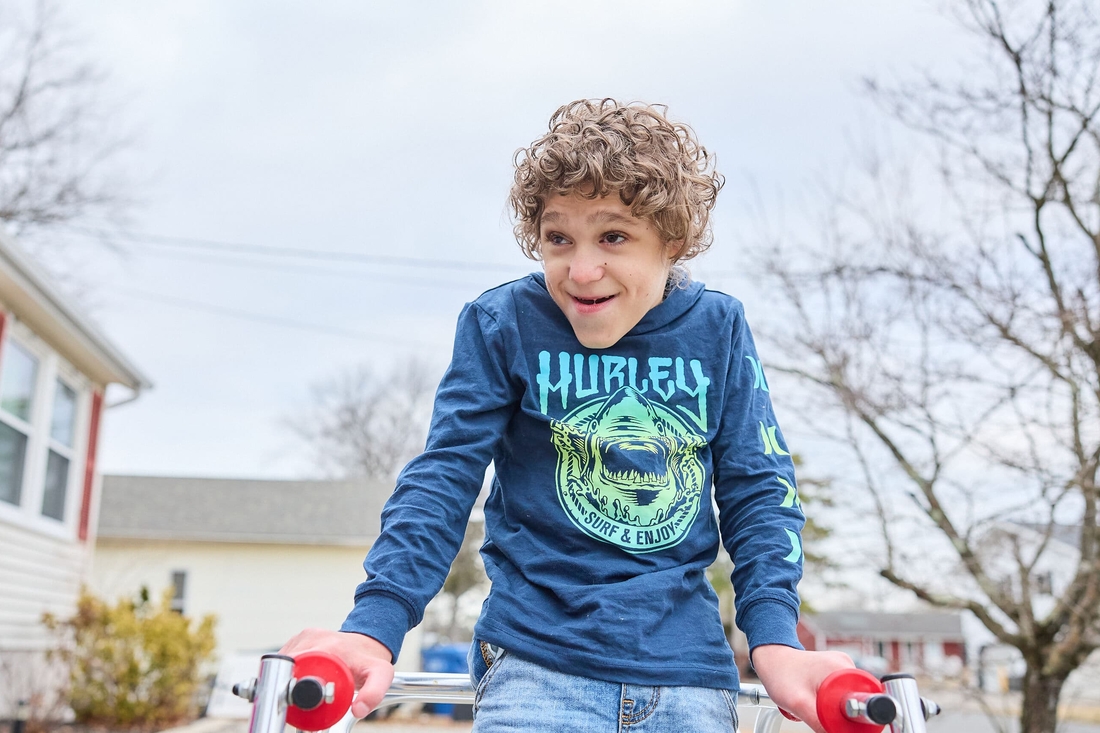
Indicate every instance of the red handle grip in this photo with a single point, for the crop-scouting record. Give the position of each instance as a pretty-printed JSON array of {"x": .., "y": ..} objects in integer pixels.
[
  {"x": 833, "y": 694},
  {"x": 325, "y": 668}
]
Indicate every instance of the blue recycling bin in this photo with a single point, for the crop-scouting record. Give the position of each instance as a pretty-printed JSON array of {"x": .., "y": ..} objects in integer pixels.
[{"x": 450, "y": 658}]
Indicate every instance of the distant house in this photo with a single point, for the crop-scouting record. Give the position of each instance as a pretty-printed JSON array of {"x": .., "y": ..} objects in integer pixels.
[
  {"x": 55, "y": 367},
  {"x": 917, "y": 643},
  {"x": 1054, "y": 569},
  {"x": 999, "y": 666},
  {"x": 268, "y": 557}
]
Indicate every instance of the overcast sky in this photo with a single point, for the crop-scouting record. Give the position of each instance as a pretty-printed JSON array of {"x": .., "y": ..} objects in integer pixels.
[{"x": 388, "y": 130}]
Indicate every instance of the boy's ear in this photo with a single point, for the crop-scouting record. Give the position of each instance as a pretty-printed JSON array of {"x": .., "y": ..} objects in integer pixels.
[{"x": 674, "y": 249}]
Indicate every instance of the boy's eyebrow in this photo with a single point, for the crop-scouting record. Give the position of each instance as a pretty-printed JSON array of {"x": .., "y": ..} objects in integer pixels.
[
  {"x": 601, "y": 216},
  {"x": 610, "y": 217}
]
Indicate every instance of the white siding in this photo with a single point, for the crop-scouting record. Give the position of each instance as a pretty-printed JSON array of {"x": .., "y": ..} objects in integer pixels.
[
  {"x": 262, "y": 593},
  {"x": 1083, "y": 686},
  {"x": 38, "y": 573}
]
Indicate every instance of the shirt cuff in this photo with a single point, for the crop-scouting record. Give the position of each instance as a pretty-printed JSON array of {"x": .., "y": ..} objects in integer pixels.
[
  {"x": 382, "y": 617},
  {"x": 770, "y": 622}
]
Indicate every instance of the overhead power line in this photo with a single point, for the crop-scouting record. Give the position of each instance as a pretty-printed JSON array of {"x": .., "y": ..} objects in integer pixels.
[
  {"x": 295, "y": 252},
  {"x": 270, "y": 320},
  {"x": 468, "y": 283}
]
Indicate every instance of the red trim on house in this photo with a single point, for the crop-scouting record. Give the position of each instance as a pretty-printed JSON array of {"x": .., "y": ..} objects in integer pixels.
[
  {"x": 955, "y": 649},
  {"x": 89, "y": 466}
]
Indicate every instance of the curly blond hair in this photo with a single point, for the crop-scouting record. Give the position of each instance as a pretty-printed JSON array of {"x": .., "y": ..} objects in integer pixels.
[{"x": 596, "y": 147}]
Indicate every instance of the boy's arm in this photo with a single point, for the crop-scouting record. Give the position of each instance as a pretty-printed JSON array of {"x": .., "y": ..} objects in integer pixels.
[
  {"x": 760, "y": 517},
  {"x": 424, "y": 521},
  {"x": 761, "y": 520}
]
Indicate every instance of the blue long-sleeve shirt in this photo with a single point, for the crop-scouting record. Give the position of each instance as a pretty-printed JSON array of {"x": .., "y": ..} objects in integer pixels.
[{"x": 600, "y": 523}]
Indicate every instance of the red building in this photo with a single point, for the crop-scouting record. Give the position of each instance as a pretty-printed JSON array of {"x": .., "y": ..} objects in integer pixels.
[{"x": 917, "y": 643}]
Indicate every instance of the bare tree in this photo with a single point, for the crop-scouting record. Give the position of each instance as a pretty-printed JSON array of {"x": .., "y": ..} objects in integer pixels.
[
  {"x": 952, "y": 323},
  {"x": 56, "y": 136},
  {"x": 365, "y": 424}
]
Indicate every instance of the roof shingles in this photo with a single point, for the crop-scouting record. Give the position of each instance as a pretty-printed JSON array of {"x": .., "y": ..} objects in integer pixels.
[
  {"x": 864, "y": 623},
  {"x": 241, "y": 510}
]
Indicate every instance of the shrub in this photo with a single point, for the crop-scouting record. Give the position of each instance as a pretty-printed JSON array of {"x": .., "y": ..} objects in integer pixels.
[{"x": 135, "y": 664}]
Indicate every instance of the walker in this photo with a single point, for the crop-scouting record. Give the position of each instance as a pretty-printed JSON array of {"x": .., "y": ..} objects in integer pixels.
[{"x": 314, "y": 692}]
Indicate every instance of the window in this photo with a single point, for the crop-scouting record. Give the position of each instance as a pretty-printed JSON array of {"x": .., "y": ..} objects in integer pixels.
[
  {"x": 179, "y": 589},
  {"x": 13, "y": 453},
  {"x": 41, "y": 407},
  {"x": 17, "y": 388},
  {"x": 53, "y": 493},
  {"x": 18, "y": 385},
  {"x": 59, "y": 455}
]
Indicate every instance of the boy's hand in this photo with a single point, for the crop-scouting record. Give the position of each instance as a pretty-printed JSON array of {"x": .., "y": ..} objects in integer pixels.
[
  {"x": 367, "y": 658},
  {"x": 792, "y": 676}
]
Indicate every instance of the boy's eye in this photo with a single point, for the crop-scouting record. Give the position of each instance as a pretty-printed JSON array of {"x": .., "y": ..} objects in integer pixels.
[
  {"x": 555, "y": 238},
  {"x": 614, "y": 238}
]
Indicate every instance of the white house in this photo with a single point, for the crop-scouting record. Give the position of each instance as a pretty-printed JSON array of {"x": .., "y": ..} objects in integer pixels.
[
  {"x": 999, "y": 665},
  {"x": 269, "y": 558},
  {"x": 55, "y": 367}
]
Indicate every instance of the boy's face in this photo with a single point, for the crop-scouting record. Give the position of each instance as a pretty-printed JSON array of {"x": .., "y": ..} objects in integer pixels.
[{"x": 605, "y": 268}]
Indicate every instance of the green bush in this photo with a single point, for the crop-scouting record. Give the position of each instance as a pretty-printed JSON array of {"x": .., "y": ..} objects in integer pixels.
[{"x": 135, "y": 664}]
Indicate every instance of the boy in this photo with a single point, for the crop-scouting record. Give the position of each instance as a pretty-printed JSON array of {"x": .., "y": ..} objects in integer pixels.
[{"x": 611, "y": 394}]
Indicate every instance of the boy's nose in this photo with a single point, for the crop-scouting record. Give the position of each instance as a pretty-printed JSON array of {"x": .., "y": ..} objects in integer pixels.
[{"x": 586, "y": 266}]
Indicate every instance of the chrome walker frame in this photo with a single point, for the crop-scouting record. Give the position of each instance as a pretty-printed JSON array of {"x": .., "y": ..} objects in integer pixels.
[{"x": 272, "y": 692}]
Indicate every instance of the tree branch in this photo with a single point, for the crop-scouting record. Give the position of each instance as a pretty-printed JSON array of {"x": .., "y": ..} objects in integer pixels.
[{"x": 944, "y": 600}]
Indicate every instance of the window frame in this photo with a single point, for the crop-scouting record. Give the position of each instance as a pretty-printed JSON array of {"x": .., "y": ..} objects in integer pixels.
[
  {"x": 177, "y": 581},
  {"x": 51, "y": 369}
]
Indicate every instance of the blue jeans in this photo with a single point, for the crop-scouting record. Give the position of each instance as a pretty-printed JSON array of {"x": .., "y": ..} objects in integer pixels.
[{"x": 516, "y": 695}]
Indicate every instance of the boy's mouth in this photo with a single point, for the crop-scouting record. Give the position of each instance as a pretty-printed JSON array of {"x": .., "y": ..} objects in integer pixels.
[
  {"x": 593, "y": 301},
  {"x": 592, "y": 305}
]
